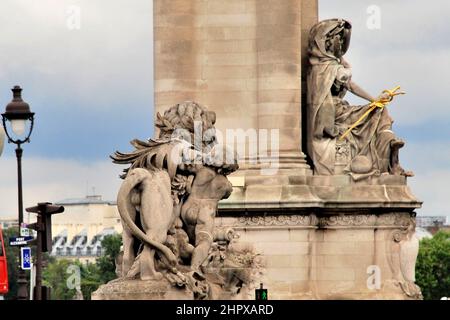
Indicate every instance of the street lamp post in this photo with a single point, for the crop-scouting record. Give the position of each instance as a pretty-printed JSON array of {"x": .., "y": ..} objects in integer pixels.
[{"x": 18, "y": 115}]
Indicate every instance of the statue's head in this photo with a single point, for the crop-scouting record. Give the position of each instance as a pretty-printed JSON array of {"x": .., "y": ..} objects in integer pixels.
[
  {"x": 330, "y": 38},
  {"x": 188, "y": 121}
]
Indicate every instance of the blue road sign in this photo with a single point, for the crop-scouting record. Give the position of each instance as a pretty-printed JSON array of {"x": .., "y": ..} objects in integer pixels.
[
  {"x": 25, "y": 258},
  {"x": 19, "y": 241}
]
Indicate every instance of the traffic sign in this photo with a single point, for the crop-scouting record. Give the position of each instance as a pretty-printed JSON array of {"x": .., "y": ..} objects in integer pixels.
[
  {"x": 24, "y": 231},
  {"x": 25, "y": 258},
  {"x": 20, "y": 241}
]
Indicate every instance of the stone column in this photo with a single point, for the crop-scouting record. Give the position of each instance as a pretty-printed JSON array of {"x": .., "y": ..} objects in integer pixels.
[
  {"x": 282, "y": 38},
  {"x": 177, "y": 74},
  {"x": 205, "y": 51},
  {"x": 243, "y": 60}
]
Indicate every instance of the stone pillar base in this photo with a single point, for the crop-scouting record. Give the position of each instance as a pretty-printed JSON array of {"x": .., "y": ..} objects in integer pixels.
[
  {"x": 332, "y": 255},
  {"x": 121, "y": 289},
  {"x": 328, "y": 237}
]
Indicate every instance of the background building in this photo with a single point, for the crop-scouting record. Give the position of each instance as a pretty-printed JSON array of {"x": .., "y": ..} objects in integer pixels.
[
  {"x": 79, "y": 230},
  {"x": 433, "y": 223},
  {"x": 8, "y": 222}
]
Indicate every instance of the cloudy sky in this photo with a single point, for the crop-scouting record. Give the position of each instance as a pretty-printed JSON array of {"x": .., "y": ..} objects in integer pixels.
[{"x": 92, "y": 89}]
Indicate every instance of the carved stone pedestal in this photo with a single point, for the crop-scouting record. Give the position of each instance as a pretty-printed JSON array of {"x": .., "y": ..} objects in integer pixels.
[
  {"x": 345, "y": 240},
  {"x": 232, "y": 271},
  {"x": 141, "y": 290}
]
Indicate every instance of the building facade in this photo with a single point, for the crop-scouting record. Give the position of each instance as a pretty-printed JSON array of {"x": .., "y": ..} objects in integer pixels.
[
  {"x": 8, "y": 222},
  {"x": 79, "y": 230}
]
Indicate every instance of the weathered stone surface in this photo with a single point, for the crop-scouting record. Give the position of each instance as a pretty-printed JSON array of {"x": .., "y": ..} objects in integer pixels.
[
  {"x": 342, "y": 138},
  {"x": 327, "y": 256},
  {"x": 141, "y": 290},
  {"x": 245, "y": 53},
  {"x": 281, "y": 191}
]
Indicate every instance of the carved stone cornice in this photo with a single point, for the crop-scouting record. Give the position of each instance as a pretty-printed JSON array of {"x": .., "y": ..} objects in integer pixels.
[
  {"x": 278, "y": 220},
  {"x": 402, "y": 220},
  {"x": 391, "y": 220}
]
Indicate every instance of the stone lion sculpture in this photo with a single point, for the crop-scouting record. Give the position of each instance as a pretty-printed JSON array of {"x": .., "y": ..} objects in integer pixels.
[{"x": 169, "y": 198}]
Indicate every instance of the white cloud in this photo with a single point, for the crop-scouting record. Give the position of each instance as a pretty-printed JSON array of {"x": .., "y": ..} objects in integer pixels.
[
  {"x": 108, "y": 59},
  {"x": 430, "y": 163},
  {"x": 432, "y": 188},
  {"x": 54, "y": 180},
  {"x": 427, "y": 95},
  {"x": 108, "y": 62}
]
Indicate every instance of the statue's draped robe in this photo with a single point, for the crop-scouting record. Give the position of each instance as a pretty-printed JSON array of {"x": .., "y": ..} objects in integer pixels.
[{"x": 329, "y": 113}]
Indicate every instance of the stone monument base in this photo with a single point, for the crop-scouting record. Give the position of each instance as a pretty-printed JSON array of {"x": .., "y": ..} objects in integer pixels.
[
  {"x": 133, "y": 289},
  {"x": 232, "y": 271},
  {"x": 328, "y": 237}
]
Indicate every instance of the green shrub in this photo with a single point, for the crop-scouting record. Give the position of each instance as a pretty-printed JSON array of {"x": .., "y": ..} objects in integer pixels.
[{"x": 433, "y": 266}]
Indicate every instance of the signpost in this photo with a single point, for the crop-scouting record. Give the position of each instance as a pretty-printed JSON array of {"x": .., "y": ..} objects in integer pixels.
[
  {"x": 32, "y": 280},
  {"x": 25, "y": 258},
  {"x": 24, "y": 231},
  {"x": 43, "y": 241},
  {"x": 43, "y": 227},
  {"x": 20, "y": 241}
]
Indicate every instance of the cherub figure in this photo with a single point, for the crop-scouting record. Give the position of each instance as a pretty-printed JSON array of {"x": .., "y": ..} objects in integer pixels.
[{"x": 199, "y": 210}]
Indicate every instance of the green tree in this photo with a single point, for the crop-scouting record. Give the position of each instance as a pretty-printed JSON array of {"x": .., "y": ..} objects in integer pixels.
[
  {"x": 433, "y": 266},
  {"x": 103, "y": 271},
  {"x": 92, "y": 275},
  {"x": 56, "y": 276},
  {"x": 107, "y": 262},
  {"x": 90, "y": 279}
]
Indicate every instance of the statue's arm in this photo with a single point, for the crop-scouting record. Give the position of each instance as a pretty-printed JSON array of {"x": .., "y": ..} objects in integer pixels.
[
  {"x": 222, "y": 159},
  {"x": 354, "y": 88},
  {"x": 360, "y": 92}
]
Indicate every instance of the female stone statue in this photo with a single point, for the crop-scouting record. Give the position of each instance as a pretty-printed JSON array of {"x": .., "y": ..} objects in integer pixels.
[{"x": 372, "y": 146}]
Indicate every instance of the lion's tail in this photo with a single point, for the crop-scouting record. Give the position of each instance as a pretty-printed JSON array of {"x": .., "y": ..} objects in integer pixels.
[{"x": 125, "y": 206}]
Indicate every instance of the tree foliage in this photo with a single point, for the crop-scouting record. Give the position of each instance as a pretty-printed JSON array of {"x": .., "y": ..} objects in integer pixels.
[
  {"x": 57, "y": 277},
  {"x": 59, "y": 274},
  {"x": 433, "y": 266},
  {"x": 107, "y": 262}
]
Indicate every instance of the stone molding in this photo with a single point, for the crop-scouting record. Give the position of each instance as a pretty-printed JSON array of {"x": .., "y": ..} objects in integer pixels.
[
  {"x": 289, "y": 191},
  {"x": 278, "y": 220},
  {"x": 389, "y": 220}
]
